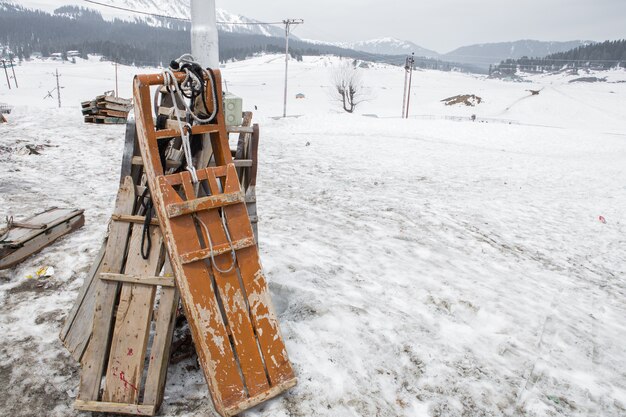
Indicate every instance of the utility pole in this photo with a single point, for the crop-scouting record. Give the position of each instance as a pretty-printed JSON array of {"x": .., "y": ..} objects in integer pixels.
[
  {"x": 14, "y": 76},
  {"x": 406, "y": 84},
  {"x": 4, "y": 64},
  {"x": 288, "y": 23},
  {"x": 58, "y": 88},
  {"x": 408, "y": 79},
  {"x": 116, "y": 90},
  {"x": 408, "y": 97},
  {"x": 204, "y": 36}
]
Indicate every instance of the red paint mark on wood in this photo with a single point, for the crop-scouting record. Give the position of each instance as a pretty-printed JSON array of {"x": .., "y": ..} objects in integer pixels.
[
  {"x": 126, "y": 383},
  {"x": 130, "y": 352}
]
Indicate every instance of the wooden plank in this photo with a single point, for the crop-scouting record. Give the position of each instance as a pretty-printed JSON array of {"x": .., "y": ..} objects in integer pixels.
[
  {"x": 243, "y": 163},
  {"x": 113, "y": 106},
  {"x": 250, "y": 183},
  {"x": 187, "y": 258},
  {"x": 262, "y": 311},
  {"x": 239, "y": 129},
  {"x": 165, "y": 324},
  {"x": 170, "y": 164},
  {"x": 242, "y": 151},
  {"x": 10, "y": 256},
  {"x": 110, "y": 120},
  {"x": 30, "y": 226},
  {"x": 130, "y": 137},
  {"x": 132, "y": 324},
  {"x": 114, "y": 408},
  {"x": 254, "y": 401},
  {"x": 115, "y": 100},
  {"x": 132, "y": 219},
  {"x": 195, "y": 130},
  {"x": 232, "y": 297},
  {"x": 140, "y": 280},
  {"x": 114, "y": 113},
  {"x": 204, "y": 203},
  {"x": 76, "y": 331},
  {"x": 95, "y": 355}
]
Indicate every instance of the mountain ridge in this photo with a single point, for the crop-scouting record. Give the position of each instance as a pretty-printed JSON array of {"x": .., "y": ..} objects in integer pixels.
[
  {"x": 485, "y": 54},
  {"x": 482, "y": 55}
]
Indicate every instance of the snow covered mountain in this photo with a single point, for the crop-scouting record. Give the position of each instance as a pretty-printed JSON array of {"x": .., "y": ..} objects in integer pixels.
[
  {"x": 492, "y": 53},
  {"x": 229, "y": 22},
  {"x": 389, "y": 46}
]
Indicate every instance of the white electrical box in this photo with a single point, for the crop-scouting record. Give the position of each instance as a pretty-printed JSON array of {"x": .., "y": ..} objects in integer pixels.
[{"x": 233, "y": 110}]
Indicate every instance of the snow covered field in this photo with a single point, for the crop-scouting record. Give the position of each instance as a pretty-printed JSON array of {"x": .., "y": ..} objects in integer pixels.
[{"x": 423, "y": 267}]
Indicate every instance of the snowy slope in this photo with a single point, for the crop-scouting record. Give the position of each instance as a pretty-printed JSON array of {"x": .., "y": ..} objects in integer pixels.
[
  {"x": 427, "y": 267},
  {"x": 180, "y": 9},
  {"x": 389, "y": 46}
]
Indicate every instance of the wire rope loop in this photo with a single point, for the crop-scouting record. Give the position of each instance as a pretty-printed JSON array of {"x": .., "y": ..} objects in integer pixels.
[{"x": 210, "y": 242}]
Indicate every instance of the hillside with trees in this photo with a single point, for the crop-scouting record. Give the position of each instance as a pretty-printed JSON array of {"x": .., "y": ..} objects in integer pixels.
[
  {"x": 25, "y": 33},
  {"x": 599, "y": 56}
]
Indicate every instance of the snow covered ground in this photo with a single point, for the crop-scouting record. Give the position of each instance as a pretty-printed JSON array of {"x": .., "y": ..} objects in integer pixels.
[{"x": 423, "y": 267}]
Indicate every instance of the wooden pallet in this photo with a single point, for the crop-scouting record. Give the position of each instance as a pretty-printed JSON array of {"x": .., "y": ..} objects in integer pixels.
[
  {"x": 105, "y": 120},
  {"x": 233, "y": 324},
  {"x": 247, "y": 154},
  {"x": 30, "y": 236},
  {"x": 113, "y": 377},
  {"x": 77, "y": 329},
  {"x": 106, "y": 109}
]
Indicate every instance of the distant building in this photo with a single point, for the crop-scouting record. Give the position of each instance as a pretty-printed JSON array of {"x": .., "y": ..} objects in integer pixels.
[
  {"x": 71, "y": 54},
  {"x": 300, "y": 96}
]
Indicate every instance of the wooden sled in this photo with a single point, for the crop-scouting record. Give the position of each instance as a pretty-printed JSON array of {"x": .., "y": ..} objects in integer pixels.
[
  {"x": 77, "y": 329},
  {"x": 232, "y": 321},
  {"x": 29, "y": 236}
]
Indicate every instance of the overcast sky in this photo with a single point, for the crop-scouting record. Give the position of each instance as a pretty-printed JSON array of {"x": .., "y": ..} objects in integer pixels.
[{"x": 444, "y": 25}]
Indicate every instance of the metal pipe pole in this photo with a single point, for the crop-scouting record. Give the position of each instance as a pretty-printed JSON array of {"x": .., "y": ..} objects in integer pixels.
[
  {"x": 204, "y": 36},
  {"x": 408, "y": 99},
  {"x": 4, "y": 64},
  {"x": 14, "y": 76},
  {"x": 406, "y": 82},
  {"x": 287, "y": 24},
  {"x": 58, "y": 88},
  {"x": 116, "y": 86}
]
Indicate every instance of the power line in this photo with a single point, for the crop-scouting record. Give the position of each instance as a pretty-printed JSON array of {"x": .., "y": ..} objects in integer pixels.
[{"x": 182, "y": 19}]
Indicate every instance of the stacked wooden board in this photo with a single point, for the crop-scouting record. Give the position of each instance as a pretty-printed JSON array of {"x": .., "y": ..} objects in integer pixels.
[{"x": 106, "y": 109}]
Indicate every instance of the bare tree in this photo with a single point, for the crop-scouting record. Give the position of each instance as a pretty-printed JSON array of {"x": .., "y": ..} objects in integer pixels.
[{"x": 348, "y": 86}]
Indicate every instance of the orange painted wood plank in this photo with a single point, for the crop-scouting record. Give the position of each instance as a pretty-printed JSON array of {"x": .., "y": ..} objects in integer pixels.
[
  {"x": 233, "y": 300},
  {"x": 261, "y": 308}
]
